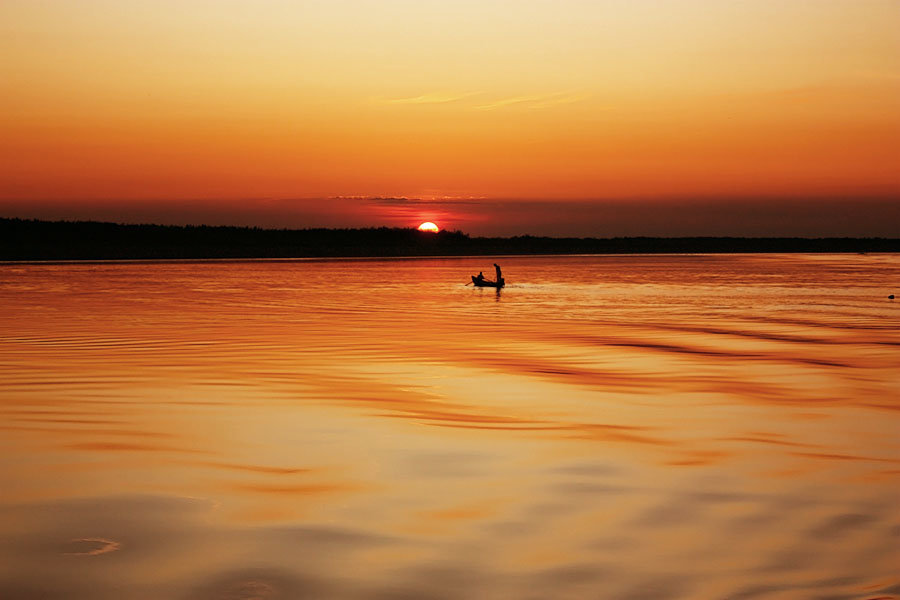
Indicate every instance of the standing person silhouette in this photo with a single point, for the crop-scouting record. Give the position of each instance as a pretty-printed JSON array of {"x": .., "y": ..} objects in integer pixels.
[{"x": 500, "y": 281}]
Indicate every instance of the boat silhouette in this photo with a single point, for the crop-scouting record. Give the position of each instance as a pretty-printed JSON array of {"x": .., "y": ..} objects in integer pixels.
[{"x": 487, "y": 282}]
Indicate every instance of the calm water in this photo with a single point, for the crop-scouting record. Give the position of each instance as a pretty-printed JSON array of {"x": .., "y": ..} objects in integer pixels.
[{"x": 606, "y": 427}]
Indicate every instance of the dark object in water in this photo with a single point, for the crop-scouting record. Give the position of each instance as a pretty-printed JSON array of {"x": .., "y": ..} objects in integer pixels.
[
  {"x": 480, "y": 281},
  {"x": 891, "y": 296},
  {"x": 487, "y": 283}
]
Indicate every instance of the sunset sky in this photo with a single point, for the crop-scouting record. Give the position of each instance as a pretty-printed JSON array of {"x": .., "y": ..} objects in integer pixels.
[{"x": 564, "y": 117}]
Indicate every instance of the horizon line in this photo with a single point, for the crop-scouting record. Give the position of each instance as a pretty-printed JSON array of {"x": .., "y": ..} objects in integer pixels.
[{"x": 444, "y": 231}]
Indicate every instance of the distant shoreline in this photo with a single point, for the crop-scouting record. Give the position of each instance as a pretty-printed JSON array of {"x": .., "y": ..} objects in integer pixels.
[{"x": 24, "y": 240}]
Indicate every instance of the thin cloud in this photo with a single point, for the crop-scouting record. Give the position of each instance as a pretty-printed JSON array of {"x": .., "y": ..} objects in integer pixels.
[
  {"x": 392, "y": 201},
  {"x": 567, "y": 99},
  {"x": 433, "y": 98},
  {"x": 510, "y": 102},
  {"x": 420, "y": 202},
  {"x": 535, "y": 101}
]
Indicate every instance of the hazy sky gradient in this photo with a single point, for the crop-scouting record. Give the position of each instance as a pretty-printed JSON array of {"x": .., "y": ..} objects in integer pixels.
[{"x": 206, "y": 109}]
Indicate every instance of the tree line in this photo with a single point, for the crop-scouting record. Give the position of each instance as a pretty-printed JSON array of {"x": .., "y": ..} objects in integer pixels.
[{"x": 28, "y": 239}]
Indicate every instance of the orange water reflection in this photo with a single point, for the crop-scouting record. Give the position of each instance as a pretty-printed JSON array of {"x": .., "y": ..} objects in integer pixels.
[{"x": 623, "y": 427}]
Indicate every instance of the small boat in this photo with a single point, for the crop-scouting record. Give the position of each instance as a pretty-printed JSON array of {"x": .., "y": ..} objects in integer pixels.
[{"x": 488, "y": 283}]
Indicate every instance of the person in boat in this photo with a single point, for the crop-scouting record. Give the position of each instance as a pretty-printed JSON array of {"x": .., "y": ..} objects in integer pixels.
[
  {"x": 480, "y": 276},
  {"x": 499, "y": 275}
]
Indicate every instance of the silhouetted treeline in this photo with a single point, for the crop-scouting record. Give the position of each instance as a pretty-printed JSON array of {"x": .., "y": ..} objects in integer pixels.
[{"x": 22, "y": 239}]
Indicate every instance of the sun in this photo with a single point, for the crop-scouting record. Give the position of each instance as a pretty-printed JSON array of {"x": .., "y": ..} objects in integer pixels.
[{"x": 429, "y": 227}]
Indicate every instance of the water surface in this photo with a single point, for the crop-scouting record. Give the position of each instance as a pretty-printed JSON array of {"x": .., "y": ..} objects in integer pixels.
[{"x": 604, "y": 427}]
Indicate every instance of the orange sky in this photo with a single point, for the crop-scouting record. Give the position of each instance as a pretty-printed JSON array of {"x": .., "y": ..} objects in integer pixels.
[{"x": 206, "y": 105}]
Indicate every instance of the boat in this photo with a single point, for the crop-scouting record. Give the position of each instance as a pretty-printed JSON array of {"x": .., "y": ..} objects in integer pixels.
[{"x": 488, "y": 283}]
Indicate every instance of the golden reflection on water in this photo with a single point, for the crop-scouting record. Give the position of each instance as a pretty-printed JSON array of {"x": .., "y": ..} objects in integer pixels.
[{"x": 616, "y": 427}]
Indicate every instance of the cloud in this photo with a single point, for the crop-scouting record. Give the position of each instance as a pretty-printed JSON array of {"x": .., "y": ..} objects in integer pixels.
[
  {"x": 565, "y": 99},
  {"x": 381, "y": 201},
  {"x": 431, "y": 98},
  {"x": 392, "y": 201},
  {"x": 536, "y": 101}
]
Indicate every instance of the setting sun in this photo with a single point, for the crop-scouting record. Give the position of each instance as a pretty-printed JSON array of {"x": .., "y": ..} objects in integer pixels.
[{"x": 429, "y": 227}]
